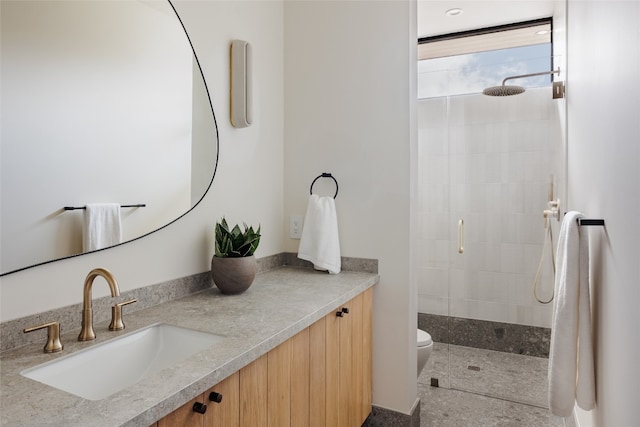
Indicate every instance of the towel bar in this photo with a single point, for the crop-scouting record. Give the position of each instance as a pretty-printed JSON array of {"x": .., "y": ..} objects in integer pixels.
[
  {"x": 324, "y": 175},
  {"x": 73, "y": 208},
  {"x": 589, "y": 222}
]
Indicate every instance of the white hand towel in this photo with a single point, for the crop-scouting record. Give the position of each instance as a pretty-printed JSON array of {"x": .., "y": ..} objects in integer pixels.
[
  {"x": 101, "y": 226},
  {"x": 571, "y": 370},
  {"x": 319, "y": 242}
]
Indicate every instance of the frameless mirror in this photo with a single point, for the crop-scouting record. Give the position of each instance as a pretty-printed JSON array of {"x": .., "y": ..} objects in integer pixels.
[{"x": 101, "y": 101}]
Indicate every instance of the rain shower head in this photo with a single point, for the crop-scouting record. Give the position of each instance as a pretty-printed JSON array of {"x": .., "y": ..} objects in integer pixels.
[
  {"x": 506, "y": 90},
  {"x": 503, "y": 90}
]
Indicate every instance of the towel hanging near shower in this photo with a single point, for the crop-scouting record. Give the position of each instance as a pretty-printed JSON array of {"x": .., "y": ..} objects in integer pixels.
[{"x": 571, "y": 369}]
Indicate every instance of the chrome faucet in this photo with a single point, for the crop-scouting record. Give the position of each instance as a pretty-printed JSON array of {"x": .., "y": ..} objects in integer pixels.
[{"x": 87, "y": 333}]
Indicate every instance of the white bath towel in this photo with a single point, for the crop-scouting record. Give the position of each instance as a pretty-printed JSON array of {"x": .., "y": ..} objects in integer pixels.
[
  {"x": 101, "y": 226},
  {"x": 319, "y": 242},
  {"x": 571, "y": 370}
]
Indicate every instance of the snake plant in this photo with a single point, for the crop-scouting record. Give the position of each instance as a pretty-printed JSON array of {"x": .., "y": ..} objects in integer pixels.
[{"x": 235, "y": 243}]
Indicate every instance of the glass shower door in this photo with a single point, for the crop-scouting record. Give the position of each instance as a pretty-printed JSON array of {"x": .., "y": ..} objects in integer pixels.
[{"x": 502, "y": 157}]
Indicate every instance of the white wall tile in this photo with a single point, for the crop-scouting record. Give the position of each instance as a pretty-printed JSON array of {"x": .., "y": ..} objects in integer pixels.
[
  {"x": 433, "y": 282},
  {"x": 433, "y": 305},
  {"x": 492, "y": 287},
  {"x": 542, "y": 315},
  {"x": 523, "y": 315},
  {"x": 457, "y": 278},
  {"x": 457, "y": 139},
  {"x": 434, "y": 253},
  {"x": 514, "y": 198},
  {"x": 458, "y": 170},
  {"x": 495, "y": 228},
  {"x": 519, "y": 289},
  {"x": 516, "y": 167},
  {"x": 475, "y": 168},
  {"x": 492, "y": 257},
  {"x": 497, "y": 135},
  {"x": 458, "y": 197},
  {"x": 431, "y": 111},
  {"x": 493, "y": 168},
  {"x": 434, "y": 226},
  {"x": 512, "y": 256},
  {"x": 530, "y": 228},
  {"x": 475, "y": 139},
  {"x": 493, "y": 198}
]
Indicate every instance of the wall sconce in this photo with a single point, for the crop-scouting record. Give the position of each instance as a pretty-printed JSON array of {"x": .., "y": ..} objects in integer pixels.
[{"x": 241, "y": 85}]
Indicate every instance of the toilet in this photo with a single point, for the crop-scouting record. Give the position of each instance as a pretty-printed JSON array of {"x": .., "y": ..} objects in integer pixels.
[{"x": 425, "y": 346}]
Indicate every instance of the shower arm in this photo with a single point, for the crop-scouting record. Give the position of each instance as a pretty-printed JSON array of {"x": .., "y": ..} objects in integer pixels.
[{"x": 556, "y": 71}]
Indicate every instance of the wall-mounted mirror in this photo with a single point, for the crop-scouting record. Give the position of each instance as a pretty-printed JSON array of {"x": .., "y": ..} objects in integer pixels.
[{"x": 102, "y": 101}]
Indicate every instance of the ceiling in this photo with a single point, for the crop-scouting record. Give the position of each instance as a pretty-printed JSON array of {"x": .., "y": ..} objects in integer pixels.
[{"x": 432, "y": 19}]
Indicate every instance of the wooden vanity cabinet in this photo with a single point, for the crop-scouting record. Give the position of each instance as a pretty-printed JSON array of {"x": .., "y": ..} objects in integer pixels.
[
  {"x": 184, "y": 416},
  {"x": 226, "y": 413},
  {"x": 321, "y": 377},
  {"x": 253, "y": 393},
  {"x": 223, "y": 414},
  {"x": 348, "y": 363}
]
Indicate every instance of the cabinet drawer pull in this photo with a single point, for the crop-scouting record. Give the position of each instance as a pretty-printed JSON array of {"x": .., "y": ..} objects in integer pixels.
[
  {"x": 461, "y": 236},
  {"x": 199, "y": 407},
  {"x": 345, "y": 310},
  {"x": 339, "y": 313},
  {"x": 215, "y": 397}
]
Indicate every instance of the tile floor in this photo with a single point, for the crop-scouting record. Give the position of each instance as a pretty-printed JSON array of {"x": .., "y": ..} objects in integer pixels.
[{"x": 483, "y": 388}]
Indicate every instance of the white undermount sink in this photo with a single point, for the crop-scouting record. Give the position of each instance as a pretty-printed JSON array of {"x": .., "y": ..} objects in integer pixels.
[{"x": 107, "y": 368}]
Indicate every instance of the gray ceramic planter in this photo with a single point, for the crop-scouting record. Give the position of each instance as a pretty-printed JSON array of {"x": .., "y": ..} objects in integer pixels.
[{"x": 233, "y": 275}]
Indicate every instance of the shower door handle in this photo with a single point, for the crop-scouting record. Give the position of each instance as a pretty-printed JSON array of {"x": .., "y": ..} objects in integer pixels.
[{"x": 460, "y": 236}]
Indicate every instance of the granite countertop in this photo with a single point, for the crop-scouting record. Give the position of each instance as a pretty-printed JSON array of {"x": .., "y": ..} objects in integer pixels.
[{"x": 279, "y": 304}]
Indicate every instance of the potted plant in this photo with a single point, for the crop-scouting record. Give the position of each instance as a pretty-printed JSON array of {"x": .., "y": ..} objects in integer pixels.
[{"x": 233, "y": 266}]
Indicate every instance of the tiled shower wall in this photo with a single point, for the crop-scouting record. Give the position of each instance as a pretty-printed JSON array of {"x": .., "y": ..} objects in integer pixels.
[{"x": 488, "y": 161}]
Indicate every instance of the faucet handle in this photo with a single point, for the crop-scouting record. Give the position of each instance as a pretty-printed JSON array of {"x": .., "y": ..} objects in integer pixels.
[
  {"x": 53, "y": 344},
  {"x": 116, "y": 315}
]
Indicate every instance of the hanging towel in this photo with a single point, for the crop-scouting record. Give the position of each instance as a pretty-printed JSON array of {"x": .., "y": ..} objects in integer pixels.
[
  {"x": 101, "y": 226},
  {"x": 571, "y": 370},
  {"x": 319, "y": 242}
]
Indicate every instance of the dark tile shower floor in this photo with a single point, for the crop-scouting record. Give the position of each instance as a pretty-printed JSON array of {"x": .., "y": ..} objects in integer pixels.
[{"x": 482, "y": 388}]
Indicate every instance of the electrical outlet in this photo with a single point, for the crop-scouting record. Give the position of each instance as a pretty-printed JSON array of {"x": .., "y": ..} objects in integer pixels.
[{"x": 295, "y": 226}]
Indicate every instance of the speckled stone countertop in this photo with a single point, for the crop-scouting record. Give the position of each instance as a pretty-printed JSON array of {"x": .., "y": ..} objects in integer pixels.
[{"x": 279, "y": 304}]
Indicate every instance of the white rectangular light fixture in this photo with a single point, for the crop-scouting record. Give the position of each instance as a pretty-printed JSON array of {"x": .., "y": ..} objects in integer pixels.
[{"x": 241, "y": 85}]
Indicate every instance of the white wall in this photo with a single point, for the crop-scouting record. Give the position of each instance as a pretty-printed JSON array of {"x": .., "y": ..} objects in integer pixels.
[
  {"x": 603, "y": 95},
  {"x": 348, "y": 86},
  {"x": 247, "y": 187}
]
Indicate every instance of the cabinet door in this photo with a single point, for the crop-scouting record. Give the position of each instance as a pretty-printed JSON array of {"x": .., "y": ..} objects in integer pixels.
[
  {"x": 332, "y": 369},
  {"x": 347, "y": 380},
  {"x": 348, "y": 364},
  {"x": 300, "y": 379},
  {"x": 367, "y": 351},
  {"x": 226, "y": 413},
  {"x": 317, "y": 374},
  {"x": 356, "y": 388},
  {"x": 253, "y": 393},
  {"x": 184, "y": 416},
  {"x": 279, "y": 385}
]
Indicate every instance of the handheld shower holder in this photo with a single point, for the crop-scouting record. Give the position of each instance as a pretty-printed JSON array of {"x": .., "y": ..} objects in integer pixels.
[{"x": 553, "y": 211}]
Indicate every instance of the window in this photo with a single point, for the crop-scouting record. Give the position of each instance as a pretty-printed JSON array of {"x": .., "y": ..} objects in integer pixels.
[{"x": 468, "y": 62}]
